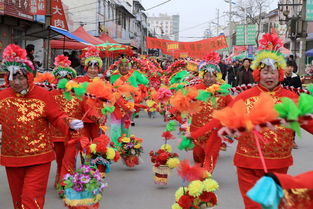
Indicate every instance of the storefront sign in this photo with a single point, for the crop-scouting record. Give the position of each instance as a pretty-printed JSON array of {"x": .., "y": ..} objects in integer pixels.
[
  {"x": 58, "y": 18},
  {"x": 38, "y": 7}
]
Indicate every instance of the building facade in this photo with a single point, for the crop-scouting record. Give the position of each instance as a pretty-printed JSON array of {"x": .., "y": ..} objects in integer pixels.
[
  {"x": 165, "y": 26},
  {"x": 123, "y": 20}
]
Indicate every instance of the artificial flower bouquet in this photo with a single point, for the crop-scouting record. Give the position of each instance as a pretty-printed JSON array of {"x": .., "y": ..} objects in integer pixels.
[
  {"x": 82, "y": 189},
  {"x": 163, "y": 162},
  {"x": 198, "y": 194},
  {"x": 99, "y": 154},
  {"x": 130, "y": 149}
]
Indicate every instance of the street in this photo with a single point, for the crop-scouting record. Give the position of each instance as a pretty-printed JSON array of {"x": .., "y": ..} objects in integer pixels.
[{"x": 133, "y": 188}]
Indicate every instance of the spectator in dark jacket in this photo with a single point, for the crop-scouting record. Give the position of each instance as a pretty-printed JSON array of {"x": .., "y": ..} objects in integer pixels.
[
  {"x": 232, "y": 72},
  {"x": 223, "y": 68},
  {"x": 293, "y": 62},
  {"x": 74, "y": 59},
  {"x": 244, "y": 75},
  {"x": 291, "y": 78}
]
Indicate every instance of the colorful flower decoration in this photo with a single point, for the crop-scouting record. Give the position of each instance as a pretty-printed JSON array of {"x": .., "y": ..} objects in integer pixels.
[
  {"x": 83, "y": 187},
  {"x": 63, "y": 68},
  {"x": 14, "y": 60},
  {"x": 130, "y": 149},
  {"x": 200, "y": 191}
]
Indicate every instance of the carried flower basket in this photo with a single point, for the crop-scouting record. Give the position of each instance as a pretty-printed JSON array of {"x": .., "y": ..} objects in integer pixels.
[
  {"x": 99, "y": 154},
  {"x": 81, "y": 200},
  {"x": 131, "y": 160},
  {"x": 130, "y": 150},
  {"x": 163, "y": 163},
  {"x": 161, "y": 174},
  {"x": 83, "y": 188}
]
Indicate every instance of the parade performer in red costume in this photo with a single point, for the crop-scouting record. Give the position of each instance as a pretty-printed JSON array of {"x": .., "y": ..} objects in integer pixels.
[
  {"x": 268, "y": 69},
  {"x": 26, "y": 111},
  {"x": 66, "y": 151},
  {"x": 93, "y": 66},
  {"x": 124, "y": 107},
  {"x": 210, "y": 73}
]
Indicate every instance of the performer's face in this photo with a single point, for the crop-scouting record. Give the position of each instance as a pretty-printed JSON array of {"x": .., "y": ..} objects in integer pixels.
[
  {"x": 269, "y": 78},
  {"x": 123, "y": 68},
  {"x": 19, "y": 83},
  {"x": 209, "y": 79},
  {"x": 92, "y": 71}
]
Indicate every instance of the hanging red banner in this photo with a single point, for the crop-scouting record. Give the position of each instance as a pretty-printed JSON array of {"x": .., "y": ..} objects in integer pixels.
[
  {"x": 38, "y": 7},
  {"x": 196, "y": 49},
  {"x": 58, "y": 18}
]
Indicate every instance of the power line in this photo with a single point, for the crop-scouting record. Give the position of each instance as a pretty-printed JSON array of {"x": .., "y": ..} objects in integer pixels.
[
  {"x": 158, "y": 5},
  {"x": 82, "y": 5}
]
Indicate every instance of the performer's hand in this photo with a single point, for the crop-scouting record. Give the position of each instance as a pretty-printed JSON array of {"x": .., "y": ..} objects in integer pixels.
[
  {"x": 101, "y": 120},
  {"x": 187, "y": 135},
  {"x": 76, "y": 124}
]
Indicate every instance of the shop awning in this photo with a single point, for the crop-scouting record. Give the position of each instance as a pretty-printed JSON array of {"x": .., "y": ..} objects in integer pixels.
[
  {"x": 107, "y": 39},
  {"x": 59, "y": 44},
  {"x": 82, "y": 34},
  {"x": 69, "y": 35}
]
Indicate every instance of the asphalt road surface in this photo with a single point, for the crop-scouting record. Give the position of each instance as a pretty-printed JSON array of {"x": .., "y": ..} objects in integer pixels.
[{"x": 133, "y": 188}]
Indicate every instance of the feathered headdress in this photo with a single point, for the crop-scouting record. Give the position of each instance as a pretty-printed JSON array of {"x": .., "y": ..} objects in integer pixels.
[
  {"x": 269, "y": 55},
  {"x": 175, "y": 67},
  {"x": 209, "y": 64},
  {"x": 62, "y": 68},
  {"x": 92, "y": 57},
  {"x": 14, "y": 61}
]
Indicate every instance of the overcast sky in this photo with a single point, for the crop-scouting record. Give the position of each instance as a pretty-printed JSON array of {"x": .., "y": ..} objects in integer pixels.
[{"x": 194, "y": 14}]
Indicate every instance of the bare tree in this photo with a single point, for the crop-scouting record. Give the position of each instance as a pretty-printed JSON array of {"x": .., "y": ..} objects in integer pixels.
[{"x": 251, "y": 12}]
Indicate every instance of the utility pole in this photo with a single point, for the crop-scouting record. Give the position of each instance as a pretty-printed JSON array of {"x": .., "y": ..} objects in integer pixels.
[
  {"x": 218, "y": 22},
  {"x": 230, "y": 28},
  {"x": 47, "y": 40},
  {"x": 303, "y": 38}
]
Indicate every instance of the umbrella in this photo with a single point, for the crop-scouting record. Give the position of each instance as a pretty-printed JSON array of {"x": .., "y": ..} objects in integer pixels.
[{"x": 309, "y": 53}]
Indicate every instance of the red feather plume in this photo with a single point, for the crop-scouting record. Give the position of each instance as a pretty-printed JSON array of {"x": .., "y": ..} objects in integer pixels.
[
  {"x": 92, "y": 52},
  {"x": 191, "y": 173},
  {"x": 14, "y": 53},
  {"x": 270, "y": 42},
  {"x": 212, "y": 58},
  {"x": 62, "y": 61}
]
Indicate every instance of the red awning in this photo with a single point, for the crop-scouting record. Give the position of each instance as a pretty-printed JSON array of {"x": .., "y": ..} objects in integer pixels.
[
  {"x": 60, "y": 44},
  {"x": 106, "y": 38},
  {"x": 81, "y": 33}
]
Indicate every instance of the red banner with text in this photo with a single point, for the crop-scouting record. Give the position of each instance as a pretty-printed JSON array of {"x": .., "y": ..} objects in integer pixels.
[
  {"x": 58, "y": 18},
  {"x": 196, "y": 49}
]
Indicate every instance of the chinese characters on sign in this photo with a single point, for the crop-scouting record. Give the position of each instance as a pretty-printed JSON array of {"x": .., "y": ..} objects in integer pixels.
[
  {"x": 240, "y": 35},
  {"x": 58, "y": 18},
  {"x": 309, "y": 10},
  {"x": 38, "y": 7},
  {"x": 245, "y": 35},
  {"x": 16, "y": 8},
  {"x": 172, "y": 46}
]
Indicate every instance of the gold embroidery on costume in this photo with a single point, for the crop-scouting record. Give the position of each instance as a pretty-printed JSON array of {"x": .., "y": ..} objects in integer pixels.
[
  {"x": 277, "y": 143},
  {"x": 25, "y": 128}
]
